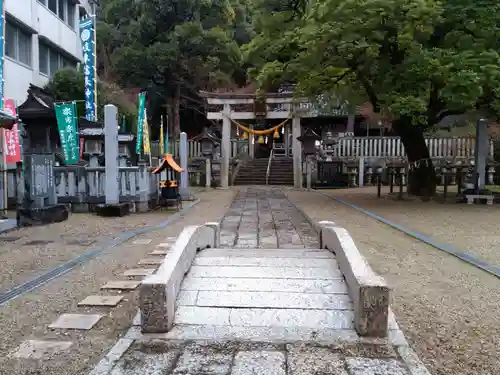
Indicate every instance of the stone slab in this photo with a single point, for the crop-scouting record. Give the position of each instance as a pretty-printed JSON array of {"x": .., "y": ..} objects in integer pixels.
[
  {"x": 265, "y": 285},
  {"x": 121, "y": 284},
  {"x": 320, "y": 319},
  {"x": 135, "y": 362},
  {"x": 274, "y": 300},
  {"x": 305, "y": 361},
  {"x": 268, "y": 252},
  {"x": 260, "y": 334},
  {"x": 266, "y": 272},
  {"x": 139, "y": 272},
  {"x": 37, "y": 349},
  {"x": 266, "y": 262},
  {"x": 158, "y": 252},
  {"x": 202, "y": 315},
  {"x": 187, "y": 298},
  {"x": 368, "y": 366},
  {"x": 142, "y": 242},
  {"x": 204, "y": 360},
  {"x": 246, "y": 244},
  {"x": 151, "y": 261},
  {"x": 259, "y": 362},
  {"x": 101, "y": 301},
  {"x": 333, "y": 319},
  {"x": 169, "y": 241},
  {"x": 76, "y": 321}
]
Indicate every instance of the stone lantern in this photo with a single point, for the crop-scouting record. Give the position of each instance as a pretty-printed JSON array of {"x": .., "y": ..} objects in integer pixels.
[
  {"x": 93, "y": 148},
  {"x": 208, "y": 142},
  {"x": 308, "y": 140}
]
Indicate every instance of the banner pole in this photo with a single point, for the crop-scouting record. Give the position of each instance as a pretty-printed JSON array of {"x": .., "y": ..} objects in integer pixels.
[
  {"x": 4, "y": 144},
  {"x": 5, "y": 176}
]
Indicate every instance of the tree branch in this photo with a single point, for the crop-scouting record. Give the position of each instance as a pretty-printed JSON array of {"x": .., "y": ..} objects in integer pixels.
[
  {"x": 370, "y": 91},
  {"x": 441, "y": 115},
  {"x": 338, "y": 78}
]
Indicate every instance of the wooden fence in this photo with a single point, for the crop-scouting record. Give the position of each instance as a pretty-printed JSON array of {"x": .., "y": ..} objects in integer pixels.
[
  {"x": 456, "y": 147},
  {"x": 351, "y": 147}
]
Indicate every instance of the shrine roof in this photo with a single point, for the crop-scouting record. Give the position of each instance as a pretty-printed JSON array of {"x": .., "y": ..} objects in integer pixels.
[{"x": 39, "y": 103}]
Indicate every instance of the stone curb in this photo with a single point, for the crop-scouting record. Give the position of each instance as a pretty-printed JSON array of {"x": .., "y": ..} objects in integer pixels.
[
  {"x": 106, "y": 364},
  {"x": 158, "y": 292},
  {"x": 370, "y": 293}
]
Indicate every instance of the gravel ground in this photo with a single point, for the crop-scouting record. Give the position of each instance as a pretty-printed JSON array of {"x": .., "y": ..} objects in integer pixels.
[
  {"x": 28, "y": 316},
  {"x": 26, "y": 251},
  {"x": 448, "y": 310},
  {"x": 471, "y": 228}
]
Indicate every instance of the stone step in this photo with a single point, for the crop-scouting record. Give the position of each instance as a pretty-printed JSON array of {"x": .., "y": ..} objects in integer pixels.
[
  {"x": 255, "y": 252},
  {"x": 331, "y": 273},
  {"x": 268, "y": 334},
  {"x": 319, "y": 319},
  {"x": 265, "y": 261},
  {"x": 228, "y": 284},
  {"x": 273, "y": 300}
]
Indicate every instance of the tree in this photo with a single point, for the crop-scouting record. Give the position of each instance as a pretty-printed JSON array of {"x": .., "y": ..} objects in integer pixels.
[
  {"x": 415, "y": 61},
  {"x": 173, "y": 48},
  {"x": 68, "y": 84}
]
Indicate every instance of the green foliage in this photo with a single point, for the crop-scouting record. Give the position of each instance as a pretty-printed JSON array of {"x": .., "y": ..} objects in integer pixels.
[
  {"x": 173, "y": 41},
  {"x": 173, "y": 48},
  {"x": 414, "y": 59},
  {"x": 68, "y": 85}
]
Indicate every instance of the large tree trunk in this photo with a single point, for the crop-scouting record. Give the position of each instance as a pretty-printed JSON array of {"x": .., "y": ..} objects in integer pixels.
[{"x": 422, "y": 176}]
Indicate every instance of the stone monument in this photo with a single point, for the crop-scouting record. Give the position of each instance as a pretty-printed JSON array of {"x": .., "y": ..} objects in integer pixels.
[
  {"x": 112, "y": 207},
  {"x": 39, "y": 205}
]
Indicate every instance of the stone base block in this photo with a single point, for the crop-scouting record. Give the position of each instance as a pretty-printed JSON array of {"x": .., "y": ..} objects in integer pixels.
[
  {"x": 112, "y": 210},
  {"x": 28, "y": 217},
  {"x": 80, "y": 208},
  {"x": 142, "y": 206}
]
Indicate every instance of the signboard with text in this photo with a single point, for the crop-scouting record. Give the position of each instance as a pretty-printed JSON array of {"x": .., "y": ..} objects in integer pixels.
[
  {"x": 12, "y": 146},
  {"x": 87, "y": 37},
  {"x": 68, "y": 132}
]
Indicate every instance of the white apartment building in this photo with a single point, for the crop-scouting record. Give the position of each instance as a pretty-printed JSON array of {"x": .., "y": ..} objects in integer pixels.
[{"x": 41, "y": 36}]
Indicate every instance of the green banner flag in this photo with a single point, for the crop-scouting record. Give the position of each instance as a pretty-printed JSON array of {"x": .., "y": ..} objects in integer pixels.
[
  {"x": 140, "y": 121},
  {"x": 68, "y": 131}
]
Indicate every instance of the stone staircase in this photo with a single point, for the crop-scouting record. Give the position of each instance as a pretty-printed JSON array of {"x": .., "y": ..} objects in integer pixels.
[{"x": 254, "y": 171}]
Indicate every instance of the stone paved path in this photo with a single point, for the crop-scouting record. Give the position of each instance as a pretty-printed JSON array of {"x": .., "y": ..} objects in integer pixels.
[
  {"x": 262, "y": 217},
  {"x": 267, "y": 303}
]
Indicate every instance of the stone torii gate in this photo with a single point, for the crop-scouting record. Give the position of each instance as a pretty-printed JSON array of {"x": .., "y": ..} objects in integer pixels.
[{"x": 279, "y": 106}]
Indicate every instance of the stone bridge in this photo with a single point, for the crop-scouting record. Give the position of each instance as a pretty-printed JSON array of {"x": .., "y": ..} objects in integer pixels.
[{"x": 265, "y": 292}]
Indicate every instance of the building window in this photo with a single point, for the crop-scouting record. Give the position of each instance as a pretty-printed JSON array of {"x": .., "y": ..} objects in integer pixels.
[
  {"x": 43, "y": 54},
  {"x": 71, "y": 14},
  {"x": 17, "y": 44},
  {"x": 51, "y": 60},
  {"x": 61, "y": 9},
  {"x": 52, "y": 5},
  {"x": 64, "y": 9}
]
